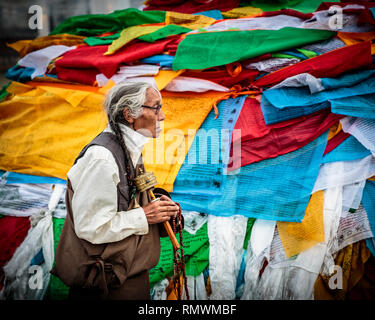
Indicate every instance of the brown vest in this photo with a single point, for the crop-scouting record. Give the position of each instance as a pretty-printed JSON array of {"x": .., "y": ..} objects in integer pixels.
[{"x": 79, "y": 263}]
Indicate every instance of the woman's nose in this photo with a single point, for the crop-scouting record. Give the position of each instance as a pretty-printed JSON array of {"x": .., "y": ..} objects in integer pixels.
[{"x": 161, "y": 115}]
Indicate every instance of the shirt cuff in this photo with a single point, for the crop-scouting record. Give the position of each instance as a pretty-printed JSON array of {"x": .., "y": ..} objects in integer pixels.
[{"x": 137, "y": 219}]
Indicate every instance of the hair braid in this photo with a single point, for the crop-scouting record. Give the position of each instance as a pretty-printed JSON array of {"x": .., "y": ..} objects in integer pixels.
[{"x": 116, "y": 129}]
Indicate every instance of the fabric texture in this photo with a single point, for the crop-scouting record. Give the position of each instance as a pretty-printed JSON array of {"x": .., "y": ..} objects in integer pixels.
[
  {"x": 329, "y": 64},
  {"x": 29, "y": 199},
  {"x": 194, "y": 53},
  {"x": 226, "y": 236},
  {"x": 57, "y": 290},
  {"x": 341, "y": 173},
  {"x": 200, "y": 186},
  {"x": 129, "y": 34},
  {"x": 163, "y": 60},
  {"x": 83, "y": 117},
  {"x": 181, "y": 83},
  {"x": 260, "y": 141},
  {"x": 275, "y": 22},
  {"x": 40, "y": 59},
  {"x": 19, "y": 74},
  {"x": 362, "y": 129},
  {"x": 351, "y": 38},
  {"x": 95, "y": 24},
  {"x": 166, "y": 31},
  {"x": 349, "y": 149},
  {"x": 196, "y": 253},
  {"x": 190, "y": 21},
  {"x": 303, "y": 6},
  {"x": 102, "y": 39},
  {"x": 165, "y": 154},
  {"x": 86, "y": 57},
  {"x": 23, "y": 47},
  {"x": 336, "y": 141},
  {"x": 301, "y": 97},
  {"x": 352, "y": 260},
  {"x": 242, "y": 12},
  {"x": 201, "y": 173},
  {"x": 13, "y": 178},
  {"x": 301, "y": 165},
  {"x": 288, "y": 103},
  {"x": 191, "y": 6},
  {"x": 368, "y": 200},
  {"x": 297, "y": 237},
  {"x": 127, "y": 72},
  {"x": 13, "y": 231},
  {"x": 225, "y": 77}
]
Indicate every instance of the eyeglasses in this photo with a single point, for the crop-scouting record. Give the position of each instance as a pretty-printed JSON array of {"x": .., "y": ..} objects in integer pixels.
[{"x": 157, "y": 108}]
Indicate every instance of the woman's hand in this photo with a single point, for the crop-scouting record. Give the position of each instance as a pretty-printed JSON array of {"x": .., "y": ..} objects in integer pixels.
[{"x": 161, "y": 210}]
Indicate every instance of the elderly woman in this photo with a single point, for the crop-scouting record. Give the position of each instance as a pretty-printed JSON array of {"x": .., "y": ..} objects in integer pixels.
[{"x": 110, "y": 239}]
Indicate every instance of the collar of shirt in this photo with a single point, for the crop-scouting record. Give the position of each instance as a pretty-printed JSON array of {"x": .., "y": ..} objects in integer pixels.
[{"x": 134, "y": 141}]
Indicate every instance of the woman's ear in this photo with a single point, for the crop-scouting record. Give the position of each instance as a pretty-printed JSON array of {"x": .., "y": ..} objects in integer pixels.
[{"x": 127, "y": 116}]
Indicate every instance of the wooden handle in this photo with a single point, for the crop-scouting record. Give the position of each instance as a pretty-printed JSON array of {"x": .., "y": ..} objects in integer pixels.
[
  {"x": 171, "y": 235},
  {"x": 168, "y": 228}
]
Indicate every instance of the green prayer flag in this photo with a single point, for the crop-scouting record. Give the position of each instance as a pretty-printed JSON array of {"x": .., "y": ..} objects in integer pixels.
[
  {"x": 57, "y": 290},
  {"x": 164, "y": 32},
  {"x": 308, "y": 53},
  {"x": 211, "y": 49},
  {"x": 99, "y": 41},
  {"x": 284, "y": 56},
  {"x": 196, "y": 253},
  {"x": 275, "y": 5},
  {"x": 304, "y": 6},
  {"x": 95, "y": 24},
  {"x": 249, "y": 227},
  {"x": 4, "y": 93}
]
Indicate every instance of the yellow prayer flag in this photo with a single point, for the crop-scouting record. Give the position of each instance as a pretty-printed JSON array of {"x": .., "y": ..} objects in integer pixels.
[
  {"x": 44, "y": 127},
  {"x": 184, "y": 114},
  {"x": 166, "y": 76},
  {"x": 24, "y": 47},
  {"x": 107, "y": 87},
  {"x": 350, "y": 38},
  {"x": 188, "y": 20},
  {"x": 297, "y": 237},
  {"x": 130, "y": 34},
  {"x": 334, "y": 130},
  {"x": 242, "y": 12},
  {"x": 19, "y": 46}
]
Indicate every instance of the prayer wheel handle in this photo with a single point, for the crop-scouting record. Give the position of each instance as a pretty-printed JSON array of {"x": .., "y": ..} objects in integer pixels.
[
  {"x": 145, "y": 181},
  {"x": 167, "y": 226}
]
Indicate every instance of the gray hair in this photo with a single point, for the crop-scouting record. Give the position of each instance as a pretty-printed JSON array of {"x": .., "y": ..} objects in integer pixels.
[
  {"x": 125, "y": 95},
  {"x": 131, "y": 95}
]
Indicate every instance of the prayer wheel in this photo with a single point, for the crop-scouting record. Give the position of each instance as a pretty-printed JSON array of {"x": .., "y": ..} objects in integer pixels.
[{"x": 145, "y": 181}]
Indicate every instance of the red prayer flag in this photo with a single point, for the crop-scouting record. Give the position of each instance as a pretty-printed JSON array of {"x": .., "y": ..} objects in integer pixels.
[
  {"x": 260, "y": 141},
  {"x": 86, "y": 57},
  {"x": 13, "y": 230},
  {"x": 335, "y": 141},
  {"x": 327, "y": 65},
  {"x": 194, "y": 6}
]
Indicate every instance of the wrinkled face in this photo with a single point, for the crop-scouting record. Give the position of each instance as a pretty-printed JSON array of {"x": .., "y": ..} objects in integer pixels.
[{"x": 148, "y": 123}]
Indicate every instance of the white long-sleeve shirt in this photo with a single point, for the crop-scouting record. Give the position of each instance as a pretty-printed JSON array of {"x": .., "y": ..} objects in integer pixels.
[{"x": 94, "y": 179}]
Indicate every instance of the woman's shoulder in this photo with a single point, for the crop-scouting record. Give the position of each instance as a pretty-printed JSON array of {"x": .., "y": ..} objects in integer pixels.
[
  {"x": 97, "y": 156},
  {"x": 97, "y": 152}
]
